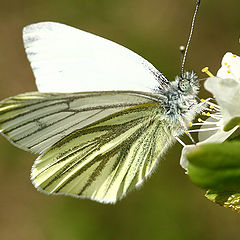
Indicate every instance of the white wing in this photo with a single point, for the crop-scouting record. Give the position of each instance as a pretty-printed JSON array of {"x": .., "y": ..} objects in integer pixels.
[{"x": 65, "y": 59}]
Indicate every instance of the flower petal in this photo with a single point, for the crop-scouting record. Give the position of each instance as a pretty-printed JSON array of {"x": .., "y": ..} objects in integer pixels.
[
  {"x": 227, "y": 93},
  {"x": 230, "y": 67},
  {"x": 219, "y": 137},
  {"x": 183, "y": 160}
]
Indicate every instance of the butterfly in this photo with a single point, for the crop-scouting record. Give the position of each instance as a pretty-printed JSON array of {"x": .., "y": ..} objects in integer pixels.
[{"x": 102, "y": 116}]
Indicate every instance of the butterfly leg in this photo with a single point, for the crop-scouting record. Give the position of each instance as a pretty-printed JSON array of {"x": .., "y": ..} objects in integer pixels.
[
  {"x": 190, "y": 136},
  {"x": 203, "y": 105},
  {"x": 180, "y": 141},
  {"x": 183, "y": 121}
]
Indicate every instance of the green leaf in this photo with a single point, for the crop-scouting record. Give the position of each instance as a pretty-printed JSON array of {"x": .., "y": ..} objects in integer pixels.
[
  {"x": 235, "y": 136},
  {"x": 226, "y": 199},
  {"x": 216, "y": 166},
  {"x": 232, "y": 123}
]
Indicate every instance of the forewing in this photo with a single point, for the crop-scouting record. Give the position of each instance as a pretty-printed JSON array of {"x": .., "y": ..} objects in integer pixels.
[
  {"x": 107, "y": 159},
  {"x": 65, "y": 59},
  {"x": 35, "y": 121}
]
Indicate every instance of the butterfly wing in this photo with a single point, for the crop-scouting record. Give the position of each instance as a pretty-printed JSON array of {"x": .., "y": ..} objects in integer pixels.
[
  {"x": 107, "y": 159},
  {"x": 98, "y": 145},
  {"x": 35, "y": 121},
  {"x": 65, "y": 59}
]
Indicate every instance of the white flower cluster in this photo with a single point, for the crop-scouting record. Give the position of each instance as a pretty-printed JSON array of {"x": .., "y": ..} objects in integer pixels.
[{"x": 225, "y": 87}]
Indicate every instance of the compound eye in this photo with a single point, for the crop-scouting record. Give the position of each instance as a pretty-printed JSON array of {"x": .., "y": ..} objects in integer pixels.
[{"x": 184, "y": 85}]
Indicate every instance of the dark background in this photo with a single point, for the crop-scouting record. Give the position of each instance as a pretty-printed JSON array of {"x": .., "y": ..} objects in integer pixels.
[{"x": 168, "y": 206}]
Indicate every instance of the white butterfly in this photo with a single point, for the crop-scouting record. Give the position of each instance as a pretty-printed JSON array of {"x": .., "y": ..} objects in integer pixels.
[{"x": 103, "y": 115}]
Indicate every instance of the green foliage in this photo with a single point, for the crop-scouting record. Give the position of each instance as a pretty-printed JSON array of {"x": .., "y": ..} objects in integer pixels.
[
  {"x": 228, "y": 200},
  {"x": 232, "y": 123},
  {"x": 216, "y": 168}
]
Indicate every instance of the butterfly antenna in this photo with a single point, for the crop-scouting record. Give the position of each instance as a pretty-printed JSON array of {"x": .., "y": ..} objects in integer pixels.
[{"x": 190, "y": 36}]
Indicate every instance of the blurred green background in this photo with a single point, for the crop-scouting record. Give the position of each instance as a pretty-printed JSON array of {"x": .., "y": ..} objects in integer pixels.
[{"x": 168, "y": 206}]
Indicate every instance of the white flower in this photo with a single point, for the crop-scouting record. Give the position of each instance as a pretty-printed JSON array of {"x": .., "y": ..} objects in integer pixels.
[
  {"x": 226, "y": 90},
  {"x": 230, "y": 67}
]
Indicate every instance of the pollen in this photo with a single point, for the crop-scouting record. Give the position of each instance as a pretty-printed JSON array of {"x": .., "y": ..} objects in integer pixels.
[
  {"x": 225, "y": 63},
  {"x": 186, "y": 131},
  {"x": 208, "y": 114},
  {"x": 228, "y": 71},
  {"x": 205, "y": 70},
  {"x": 190, "y": 124},
  {"x": 228, "y": 66},
  {"x": 234, "y": 55},
  {"x": 202, "y": 100},
  {"x": 204, "y": 114},
  {"x": 211, "y": 106},
  {"x": 200, "y": 120}
]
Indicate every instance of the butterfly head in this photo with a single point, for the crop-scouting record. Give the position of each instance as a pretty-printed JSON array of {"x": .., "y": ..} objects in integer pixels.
[{"x": 188, "y": 83}]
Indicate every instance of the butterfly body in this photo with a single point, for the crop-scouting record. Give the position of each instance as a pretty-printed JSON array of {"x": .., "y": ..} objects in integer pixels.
[
  {"x": 102, "y": 118},
  {"x": 180, "y": 101}
]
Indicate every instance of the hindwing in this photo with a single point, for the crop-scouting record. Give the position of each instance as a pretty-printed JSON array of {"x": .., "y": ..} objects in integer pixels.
[{"x": 107, "y": 159}]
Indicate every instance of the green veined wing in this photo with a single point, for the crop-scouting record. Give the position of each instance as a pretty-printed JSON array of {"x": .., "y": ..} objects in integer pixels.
[
  {"x": 107, "y": 159},
  {"x": 98, "y": 145},
  {"x": 35, "y": 121}
]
